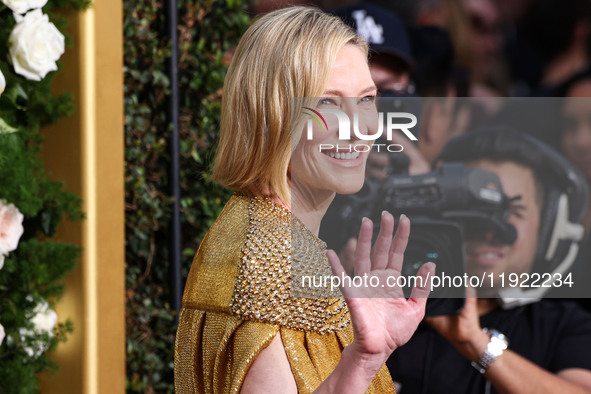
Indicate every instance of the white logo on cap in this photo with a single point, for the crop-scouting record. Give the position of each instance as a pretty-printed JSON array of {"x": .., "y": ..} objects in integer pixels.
[{"x": 368, "y": 28}]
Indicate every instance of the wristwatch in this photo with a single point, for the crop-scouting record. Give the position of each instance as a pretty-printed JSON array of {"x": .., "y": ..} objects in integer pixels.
[{"x": 497, "y": 344}]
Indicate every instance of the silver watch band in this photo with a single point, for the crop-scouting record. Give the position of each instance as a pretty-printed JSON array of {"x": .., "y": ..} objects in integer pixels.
[{"x": 495, "y": 347}]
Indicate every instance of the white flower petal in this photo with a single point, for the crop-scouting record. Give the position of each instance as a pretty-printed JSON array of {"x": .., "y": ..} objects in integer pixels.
[
  {"x": 37, "y": 3},
  {"x": 2, "y": 83},
  {"x": 20, "y": 7},
  {"x": 11, "y": 227},
  {"x": 17, "y": 6},
  {"x": 44, "y": 321}
]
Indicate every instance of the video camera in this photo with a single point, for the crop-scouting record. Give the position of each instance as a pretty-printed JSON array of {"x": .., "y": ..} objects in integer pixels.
[{"x": 443, "y": 206}]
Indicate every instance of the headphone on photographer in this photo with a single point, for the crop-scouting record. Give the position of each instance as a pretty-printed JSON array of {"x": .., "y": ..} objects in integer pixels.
[
  {"x": 565, "y": 202},
  {"x": 565, "y": 199}
]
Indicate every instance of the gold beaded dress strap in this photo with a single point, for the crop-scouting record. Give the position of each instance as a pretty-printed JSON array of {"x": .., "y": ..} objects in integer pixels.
[{"x": 279, "y": 249}]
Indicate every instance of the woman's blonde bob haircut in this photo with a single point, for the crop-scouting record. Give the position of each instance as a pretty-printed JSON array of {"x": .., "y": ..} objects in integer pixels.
[{"x": 287, "y": 53}]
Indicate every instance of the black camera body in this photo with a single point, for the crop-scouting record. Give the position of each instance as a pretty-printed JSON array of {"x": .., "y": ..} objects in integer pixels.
[{"x": 443, "y": 206}]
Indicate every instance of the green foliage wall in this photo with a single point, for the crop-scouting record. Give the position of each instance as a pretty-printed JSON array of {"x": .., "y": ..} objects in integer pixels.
[
  {"x": 207, "y": 31},
  {"x": 32, "y": 274}
]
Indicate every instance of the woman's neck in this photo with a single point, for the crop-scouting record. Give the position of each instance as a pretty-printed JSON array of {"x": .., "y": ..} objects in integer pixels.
[
  {"x": 278, "y": 201},
  {"x": 310, "y": 207}
]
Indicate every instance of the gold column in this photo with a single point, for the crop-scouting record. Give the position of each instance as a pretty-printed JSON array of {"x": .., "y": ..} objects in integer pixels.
[{"x": 86, "y": 152}]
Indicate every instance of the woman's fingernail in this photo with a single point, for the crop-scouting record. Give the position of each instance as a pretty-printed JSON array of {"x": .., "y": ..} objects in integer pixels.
[
  {"x": 384, "y": 212},
  {"x": 364, "y": 219},
  {"x": 402, "y": 216}
]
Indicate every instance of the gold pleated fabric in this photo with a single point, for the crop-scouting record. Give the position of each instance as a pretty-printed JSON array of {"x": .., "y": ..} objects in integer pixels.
[{"x": 237, "y": 298}]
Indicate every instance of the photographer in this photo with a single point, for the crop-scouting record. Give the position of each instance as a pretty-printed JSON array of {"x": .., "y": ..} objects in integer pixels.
[{"x": 548, "y": 341}]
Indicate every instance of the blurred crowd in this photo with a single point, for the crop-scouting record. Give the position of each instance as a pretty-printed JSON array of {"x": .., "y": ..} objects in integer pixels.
[{"x": 484, "y": 48}]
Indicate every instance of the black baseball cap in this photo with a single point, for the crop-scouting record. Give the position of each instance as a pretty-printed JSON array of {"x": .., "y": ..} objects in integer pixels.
[{"x": 381, "y": 28}]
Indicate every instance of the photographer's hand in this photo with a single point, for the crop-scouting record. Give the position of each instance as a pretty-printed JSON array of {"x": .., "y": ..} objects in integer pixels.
[
  {"x": 510, "y": 372},
  {"x": 463, "y": 329}
]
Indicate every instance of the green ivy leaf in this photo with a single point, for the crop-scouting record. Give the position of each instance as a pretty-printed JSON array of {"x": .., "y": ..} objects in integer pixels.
[
  {"x": 15, "y": 94},
  {"x": 5, "y": 128}
]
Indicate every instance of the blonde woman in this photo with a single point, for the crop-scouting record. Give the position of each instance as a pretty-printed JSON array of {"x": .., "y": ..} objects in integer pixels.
[{"x": 240, "y": 328}]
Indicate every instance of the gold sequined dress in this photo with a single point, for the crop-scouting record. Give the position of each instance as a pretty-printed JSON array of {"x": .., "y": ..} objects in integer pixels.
[{"x": 237, "y": 298}]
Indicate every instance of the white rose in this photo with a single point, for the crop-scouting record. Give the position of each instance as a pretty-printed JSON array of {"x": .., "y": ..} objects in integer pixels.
[
  {"x": 44, "y": 322},
  {"x": 2, "y": 83},
  {"x": 11, "y": 227},
  {"x": 35, "y": 45},
  {"x": 2, "y": 334},
  {"x": 22, "y": 6}
]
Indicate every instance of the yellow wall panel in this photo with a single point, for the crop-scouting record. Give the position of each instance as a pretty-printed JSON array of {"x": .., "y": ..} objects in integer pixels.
[{"x": 86, "y": 151}]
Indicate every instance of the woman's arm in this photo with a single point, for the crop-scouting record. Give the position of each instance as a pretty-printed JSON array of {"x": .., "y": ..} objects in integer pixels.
[{"x": 270, "y": 372}]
